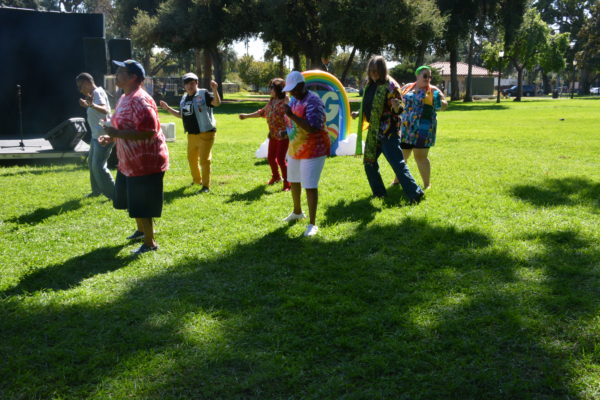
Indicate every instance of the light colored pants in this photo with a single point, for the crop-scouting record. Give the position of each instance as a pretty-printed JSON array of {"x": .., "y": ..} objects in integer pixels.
[
  {"x": 306, "y": 171},
  {"x": 100, "y": 176},
  {"x": 200, "y": 156}
]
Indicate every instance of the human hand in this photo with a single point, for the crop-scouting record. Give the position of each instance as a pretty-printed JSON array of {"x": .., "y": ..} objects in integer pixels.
[
  {"x": 288, "y": 110},
  {"x": 84, "y": 103},
  {"x": 242, "y": 116},
  {"x": 104, "y": 140},
  {"x": 214, "y": 85},
  {"x": 164, "y": 105}
]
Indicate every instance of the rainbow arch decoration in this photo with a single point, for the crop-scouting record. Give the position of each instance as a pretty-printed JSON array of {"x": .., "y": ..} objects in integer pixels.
[{"x": 337, "y": 107}]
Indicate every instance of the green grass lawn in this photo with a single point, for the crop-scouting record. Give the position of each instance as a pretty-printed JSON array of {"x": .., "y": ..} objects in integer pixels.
[{"x": 489, "y": 289}]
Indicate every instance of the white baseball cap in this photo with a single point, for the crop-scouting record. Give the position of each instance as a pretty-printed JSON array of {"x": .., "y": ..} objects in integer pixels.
[
  {"x": 189, "y": 75},
  {"x": 292, "y": 80}
]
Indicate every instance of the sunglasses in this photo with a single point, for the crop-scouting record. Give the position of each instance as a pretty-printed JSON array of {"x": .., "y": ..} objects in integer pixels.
[{"x": 426, "y": 76}]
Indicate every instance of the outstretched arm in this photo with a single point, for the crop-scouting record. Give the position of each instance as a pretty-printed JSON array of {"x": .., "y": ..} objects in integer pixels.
[{"x": 170, "y": 110}]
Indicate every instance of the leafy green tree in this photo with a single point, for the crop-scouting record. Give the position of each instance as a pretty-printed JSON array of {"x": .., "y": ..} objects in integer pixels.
[
  {"x": 203, "y": 25},
  {"x": 531, "y": 41},
  {"x": 589, "y": 43}
]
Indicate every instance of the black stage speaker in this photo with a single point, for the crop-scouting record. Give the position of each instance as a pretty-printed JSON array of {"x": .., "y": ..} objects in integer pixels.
[
  {"x": 118, "y": 50},
  {"x": 42, "y": 52},
  {"x": 95, "y": 58},
  {"x": 67, "y": 135}
]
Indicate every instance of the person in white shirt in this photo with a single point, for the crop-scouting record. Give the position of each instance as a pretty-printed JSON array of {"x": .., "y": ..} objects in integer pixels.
[{"x": 98, "y": 109}]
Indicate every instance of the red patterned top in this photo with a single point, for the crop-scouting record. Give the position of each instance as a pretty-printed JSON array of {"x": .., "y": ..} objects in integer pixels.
[
  {"x": 274, "y": 112},
  {"x": 137, "y": 111}
]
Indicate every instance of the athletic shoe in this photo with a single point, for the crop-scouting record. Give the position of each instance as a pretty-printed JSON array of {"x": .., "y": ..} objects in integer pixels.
[
  {"x": 286, "y": 186},
  {"x": 204, "y": 189},
  {"x": 293, "y": 217},
  {"x": 274, "y": 180},
  {"x": 311, "y": 230},
  {"x": 137, "y": 235},
  {"x": 144, "y": 249}
]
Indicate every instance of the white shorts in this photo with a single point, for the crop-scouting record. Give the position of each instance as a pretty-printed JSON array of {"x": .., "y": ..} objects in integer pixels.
[{"x": 306, "y": 171}]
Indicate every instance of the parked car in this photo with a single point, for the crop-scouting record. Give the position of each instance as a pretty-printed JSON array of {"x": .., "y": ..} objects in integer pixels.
[
  {"x": 595, "y": 90},
  {"x": 351, "y": 90},
  {"x": 528, "y": 90}
]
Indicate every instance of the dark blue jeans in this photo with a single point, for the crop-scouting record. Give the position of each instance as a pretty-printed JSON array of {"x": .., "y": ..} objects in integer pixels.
[{"x": 390, "y": 147}]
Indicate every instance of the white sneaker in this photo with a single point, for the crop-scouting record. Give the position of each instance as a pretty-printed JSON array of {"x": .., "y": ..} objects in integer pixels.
[
  {"x": 293, "y": 217},
  {"x": 311, "y": 230}
]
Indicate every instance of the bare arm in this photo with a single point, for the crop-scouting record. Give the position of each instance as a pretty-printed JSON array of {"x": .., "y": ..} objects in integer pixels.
[
  {"x": 169, "y": 109},
  {"x": 301, "y": 122},
  {"x": 217, "y": 100},
  {"x": 127, "y": 134},
  {"x": 255, "y": 114},
  {"x": 88, "y": 103}
]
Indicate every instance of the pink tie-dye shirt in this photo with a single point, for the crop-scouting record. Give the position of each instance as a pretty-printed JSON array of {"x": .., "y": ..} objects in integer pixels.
[{"x": 137, "y": 111}]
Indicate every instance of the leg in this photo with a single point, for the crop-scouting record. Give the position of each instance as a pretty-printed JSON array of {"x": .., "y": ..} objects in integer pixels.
[
  {"x": 282, "y": 148},
  {"x": 374, "y": 177},
  {"x": 310, "y": 171},
  {"x": 406, "y": 153},
  {"x": 193, "y": 153},
  {"x": 91, "y": 155},
  {"x": 296, "y": 193},
  {"x": 206, "y": 143},
  {"x": 147, "y": 227},
  {"x": 393, "y": 153},
  {"x": 272, "y": 159},
  {"x": 312, "y": 198},
  {"x": 421, "y": 157},
  {"x": 102, "y": 175}
]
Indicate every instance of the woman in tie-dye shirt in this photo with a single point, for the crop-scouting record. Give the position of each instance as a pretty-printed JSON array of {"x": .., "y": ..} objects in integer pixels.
[
  {"x": 309, "y": 146},
  {"x": 419, "y": 121}
]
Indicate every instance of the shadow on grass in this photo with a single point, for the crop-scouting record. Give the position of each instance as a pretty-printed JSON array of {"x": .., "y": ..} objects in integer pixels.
[
  {"x": 70, "y": 273},
  {"x": 41, "y": 214},
  {"x": 560, "y": 192},
  {"x": 459, "y": 106},
  {"x": 43, "y": 171},
  {"x": 362, "y": 211},
  {"x": 251, "y": 195},
  {"x": 180, "y": 193},
  {"x": 408, "y": 310},
  {"x": 243, "y": 107}
]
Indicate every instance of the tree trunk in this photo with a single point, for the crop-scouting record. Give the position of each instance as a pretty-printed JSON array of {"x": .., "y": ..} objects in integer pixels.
[
  {"x": 198, "y": 62},
  {"x": 421, "y": 54},
  {"x": 296, "y": 58},
  {"x": 161, "y": 64},
  {"x": 455, "y": 89},
  {"x": 348, "y": 65},
  {"x": 217, "y": 61},
  {"x": 519, "y": 83},
  {"x": 468, "y": 96},
  {"x": 315, "y": 59},
  {"x": 282, "y": 65},
  {"x": 207, "y": 69},
  {"x": 546, "y": 82}
]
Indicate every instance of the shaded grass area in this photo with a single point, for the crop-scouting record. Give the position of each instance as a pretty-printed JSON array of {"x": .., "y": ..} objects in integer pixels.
[{"x": 488, "y": 289}]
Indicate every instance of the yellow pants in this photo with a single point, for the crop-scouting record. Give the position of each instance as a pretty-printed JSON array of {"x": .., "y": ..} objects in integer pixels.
[{"x": 200, "y": 156}]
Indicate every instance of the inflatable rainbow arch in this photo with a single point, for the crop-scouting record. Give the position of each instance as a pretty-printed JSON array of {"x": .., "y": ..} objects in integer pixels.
[{"x": 337, "y": 106}]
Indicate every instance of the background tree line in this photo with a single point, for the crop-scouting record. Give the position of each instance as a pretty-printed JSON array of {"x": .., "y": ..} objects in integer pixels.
[{"x": 538, "y": 37}]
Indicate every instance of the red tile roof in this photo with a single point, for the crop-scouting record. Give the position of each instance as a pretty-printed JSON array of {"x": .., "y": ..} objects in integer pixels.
[{"x": 462, "y": 69}]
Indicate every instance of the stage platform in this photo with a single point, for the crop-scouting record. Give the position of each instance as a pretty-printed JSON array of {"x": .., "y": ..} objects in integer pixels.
[{"x": 37, "y": 148}]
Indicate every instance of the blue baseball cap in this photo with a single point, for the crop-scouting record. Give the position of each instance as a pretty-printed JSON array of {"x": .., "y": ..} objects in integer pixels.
[{"x": 132, "y": 66}]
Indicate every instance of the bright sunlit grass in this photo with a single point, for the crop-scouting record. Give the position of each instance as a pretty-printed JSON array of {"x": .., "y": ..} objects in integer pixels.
[{"x": 489, "y": 289}]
